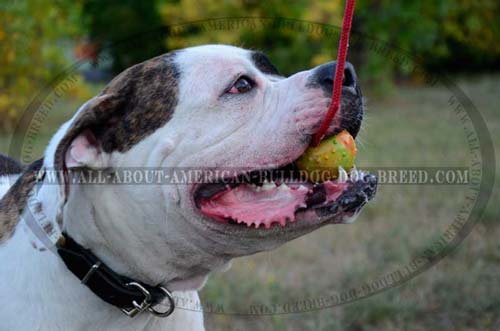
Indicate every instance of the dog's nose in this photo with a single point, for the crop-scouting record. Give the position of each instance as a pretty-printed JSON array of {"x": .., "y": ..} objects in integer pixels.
[{"x": 323, "y": 75}]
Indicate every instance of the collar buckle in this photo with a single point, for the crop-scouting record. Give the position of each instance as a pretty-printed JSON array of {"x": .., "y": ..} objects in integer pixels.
[
  {"x": 146, "y": 303},
  {"x": 130, "y": 296}
]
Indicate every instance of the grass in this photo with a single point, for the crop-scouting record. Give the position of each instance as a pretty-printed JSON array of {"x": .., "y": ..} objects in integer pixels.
[
  {"x": 410, "y": 127},
  {"x": 413, "y": 126}
]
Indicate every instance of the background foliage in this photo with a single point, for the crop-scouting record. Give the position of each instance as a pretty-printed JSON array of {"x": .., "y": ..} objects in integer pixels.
[
  {"x": 32, "y": 51},
  {"x": 447, "y": 35},
  {"x": 111, "y": 24}
]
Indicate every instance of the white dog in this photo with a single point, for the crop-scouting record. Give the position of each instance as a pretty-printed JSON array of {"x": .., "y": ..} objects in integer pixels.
[{"x": 122, "y": 248}]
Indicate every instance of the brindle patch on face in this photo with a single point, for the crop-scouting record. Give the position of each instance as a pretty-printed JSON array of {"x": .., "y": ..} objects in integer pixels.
[
  {"x": 263, "y": 63},
  {"x": 14, "y": 201},
  {"x": 9, "y": 166},
  {"x": 133, "y": 105}
]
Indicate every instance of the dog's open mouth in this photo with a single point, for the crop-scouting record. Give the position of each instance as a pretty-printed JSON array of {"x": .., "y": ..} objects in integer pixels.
[
  {"x": 275, "y": 197},
  {"x": 280, "y": 196}
]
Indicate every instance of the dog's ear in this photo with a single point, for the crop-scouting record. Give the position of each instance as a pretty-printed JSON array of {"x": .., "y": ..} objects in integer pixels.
[
  {"x": 82, "y": 144},
  {"x": 133, "y": 105},
  {"x": 84, "y": 151}
]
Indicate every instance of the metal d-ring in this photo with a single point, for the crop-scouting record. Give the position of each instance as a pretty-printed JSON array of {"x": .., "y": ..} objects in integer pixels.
[
  {"x": 171, "y": 305},
  {"x": 146, "y": 303}
]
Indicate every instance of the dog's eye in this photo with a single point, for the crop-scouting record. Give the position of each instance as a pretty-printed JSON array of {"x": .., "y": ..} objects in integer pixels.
[{"x": 242, "y": 85}]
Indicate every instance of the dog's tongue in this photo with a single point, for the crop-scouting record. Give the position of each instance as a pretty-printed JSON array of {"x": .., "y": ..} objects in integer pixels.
[{"x": 249, "y": 205}]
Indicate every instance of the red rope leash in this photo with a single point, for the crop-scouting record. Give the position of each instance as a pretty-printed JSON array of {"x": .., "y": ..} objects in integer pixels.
[{"x": 339, "y": 72}]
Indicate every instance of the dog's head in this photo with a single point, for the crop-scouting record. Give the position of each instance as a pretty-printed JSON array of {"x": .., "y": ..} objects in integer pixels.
[{"x": 225, "y": 117}]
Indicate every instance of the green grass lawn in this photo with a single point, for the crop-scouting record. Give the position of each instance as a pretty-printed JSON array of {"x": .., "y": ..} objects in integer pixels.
[{"x": 412, "y": 126}]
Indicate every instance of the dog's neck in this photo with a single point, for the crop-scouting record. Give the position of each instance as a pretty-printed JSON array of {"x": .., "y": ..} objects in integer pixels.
[
  {"x": 67, "y": 304},
  {"x": 131, "y": 236},
  {"x": 50, "y": 297},
  {"x": 110, "y": 225}
]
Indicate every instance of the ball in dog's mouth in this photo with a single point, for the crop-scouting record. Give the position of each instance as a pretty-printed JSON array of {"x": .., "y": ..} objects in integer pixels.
[
  {"x": 277, "y": 196},
  {"x": 324, "y": 161}
]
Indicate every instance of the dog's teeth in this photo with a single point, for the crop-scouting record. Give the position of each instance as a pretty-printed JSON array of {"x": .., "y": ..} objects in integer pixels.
[
  {"x": 284, "y": 187},
  {"x": 268, "y": 186},
  {"x": 353, "y": 171},
  {"x": 342, "y": 175},
  {"x": 358, "y": 175},
  {"x": 355, "y": 174},
  {"x": 255, "y": 187},
  {"x": 302, "y": 188}
]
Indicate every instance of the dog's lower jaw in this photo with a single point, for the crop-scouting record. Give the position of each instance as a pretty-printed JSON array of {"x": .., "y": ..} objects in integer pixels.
[{"x": 37, "y": 292}]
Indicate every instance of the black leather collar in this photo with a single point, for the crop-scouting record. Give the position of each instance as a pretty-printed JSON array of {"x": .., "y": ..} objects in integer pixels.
[{"x": 130, "y": 295}]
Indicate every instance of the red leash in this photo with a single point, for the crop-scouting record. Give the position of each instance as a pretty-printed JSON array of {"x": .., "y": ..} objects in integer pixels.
[{"x": 339, "y": 72}]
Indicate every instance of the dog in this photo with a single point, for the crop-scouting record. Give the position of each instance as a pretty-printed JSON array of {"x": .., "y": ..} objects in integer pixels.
[{"x": 123, "y": 249}]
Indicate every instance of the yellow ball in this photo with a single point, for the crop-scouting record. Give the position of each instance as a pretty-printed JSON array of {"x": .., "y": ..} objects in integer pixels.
[{"x": 321, "y": 163}]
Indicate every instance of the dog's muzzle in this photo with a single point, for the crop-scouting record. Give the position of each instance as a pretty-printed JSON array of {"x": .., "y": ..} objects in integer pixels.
[{"x": 352, "y": 108}]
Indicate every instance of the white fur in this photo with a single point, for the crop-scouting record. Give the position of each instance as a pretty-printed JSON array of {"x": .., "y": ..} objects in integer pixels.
[
  {"x": 43, "y": 295},
  {"x": 5, "y": 183},
  {"x": 153, "y": 233}
]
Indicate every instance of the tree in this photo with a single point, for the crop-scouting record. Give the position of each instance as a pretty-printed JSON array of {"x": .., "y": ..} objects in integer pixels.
[
  {"x": 31, "y": 32},
  {"x": 128, "y": 29}
]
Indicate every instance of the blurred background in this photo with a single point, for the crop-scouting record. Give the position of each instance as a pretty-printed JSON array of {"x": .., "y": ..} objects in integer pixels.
[{"x": 409, "y": 122}]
